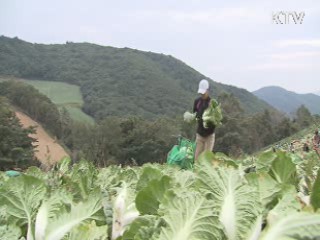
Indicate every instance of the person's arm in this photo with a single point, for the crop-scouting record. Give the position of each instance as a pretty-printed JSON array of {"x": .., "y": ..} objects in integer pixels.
[{"x": 194, "y": 106}]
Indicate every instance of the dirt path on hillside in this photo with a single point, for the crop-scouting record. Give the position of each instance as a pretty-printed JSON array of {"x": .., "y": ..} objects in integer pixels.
[{"x": 48, "y": 151}]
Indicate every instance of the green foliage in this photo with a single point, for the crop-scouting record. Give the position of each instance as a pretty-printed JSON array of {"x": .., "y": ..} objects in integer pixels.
[
  {"x": 58, "y": 92},
  {"x": 240, "y": 133},
  {"x": 304, "y": 117},
  {"x": 36, "y": 105},
  {"x": 216, "y": 201},
  {"x": 236, "y": 202},
  {"x": 89, "y": 231},
  {"x": 283, "y": 170},
  {"x": 16, "y": 148},
  {"x": 66, "y": 220},
  {"x": 125, "y": 140},
  {"x": 315, "y": 196},
  {"x": 212, "y": 114},
  {"x": 144, "y": 227},
  {"x": 22, "y": 196},
  {"x": 191, "y": 217},
  {"x": 294, "y": 226},
  {"x": 77, "y": 114},
  {"x": 265, "y": 160},
  {"x": 149, "y": 198}
]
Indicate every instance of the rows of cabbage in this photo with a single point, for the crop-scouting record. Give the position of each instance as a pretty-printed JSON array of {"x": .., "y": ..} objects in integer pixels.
[
  {"x": 304, "y": 136},
  {"x": 273, "y": 196}
]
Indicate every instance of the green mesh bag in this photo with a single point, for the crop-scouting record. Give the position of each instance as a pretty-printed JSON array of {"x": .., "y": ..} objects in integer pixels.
[{"x": 182, "y": 154}]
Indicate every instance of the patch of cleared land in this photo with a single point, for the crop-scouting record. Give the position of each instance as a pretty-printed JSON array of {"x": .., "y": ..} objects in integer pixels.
[{"x": 48, "y": 151}]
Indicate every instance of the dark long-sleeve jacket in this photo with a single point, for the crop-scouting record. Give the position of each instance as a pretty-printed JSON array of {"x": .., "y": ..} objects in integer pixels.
[{"x": 200, "y": 105}]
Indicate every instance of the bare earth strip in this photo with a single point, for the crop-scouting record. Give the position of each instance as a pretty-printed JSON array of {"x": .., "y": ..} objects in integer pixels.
[{"x": 48, "y": 151}]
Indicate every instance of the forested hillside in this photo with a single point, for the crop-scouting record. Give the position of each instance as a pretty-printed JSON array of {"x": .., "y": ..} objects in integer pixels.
[{"x": 113, "y": 81}]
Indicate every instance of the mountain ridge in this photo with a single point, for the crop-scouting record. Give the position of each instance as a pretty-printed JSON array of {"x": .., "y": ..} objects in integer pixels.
[
  {"x": 317, "y": 93},
  {"x": 288, "y": 101}
]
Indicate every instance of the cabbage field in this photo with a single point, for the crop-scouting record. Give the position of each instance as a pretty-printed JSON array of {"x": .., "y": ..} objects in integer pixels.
[{"x": 273, "y": 196}]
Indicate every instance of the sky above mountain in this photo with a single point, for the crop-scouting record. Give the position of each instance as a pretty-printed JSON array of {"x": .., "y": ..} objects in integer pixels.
[{"x": 234, "y": 42}]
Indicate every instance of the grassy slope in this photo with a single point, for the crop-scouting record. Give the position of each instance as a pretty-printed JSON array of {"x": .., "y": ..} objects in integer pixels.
[
  {"x": 63, "y": 95},
  {"x": 58, "y": 92}
]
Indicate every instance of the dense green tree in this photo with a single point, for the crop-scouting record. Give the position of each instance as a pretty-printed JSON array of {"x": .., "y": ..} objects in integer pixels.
[
  {"x": 240, "y": 133},
  {"x": 230, "y": 134},
  {"x": 148, "y": 141},
  {"x": 285, "y": 128},
  {"x": 303, "y": 117},
  {"x": 65, "y": 126},
  {"x": 16, "y": 148},
  {"x": 124, "y": 141},
  {"x": 230, "y": 105}
]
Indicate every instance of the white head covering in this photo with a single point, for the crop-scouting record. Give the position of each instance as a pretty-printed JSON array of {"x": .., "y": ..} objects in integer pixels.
[{"x": 203, "y": 86}]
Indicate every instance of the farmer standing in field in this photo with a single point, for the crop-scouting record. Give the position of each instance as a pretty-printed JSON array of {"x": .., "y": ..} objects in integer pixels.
[{"x": 205, "y": 137}]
